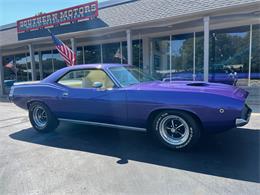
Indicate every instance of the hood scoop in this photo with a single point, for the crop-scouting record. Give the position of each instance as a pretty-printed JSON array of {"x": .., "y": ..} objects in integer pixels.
[{"x": 197, "y": 84}]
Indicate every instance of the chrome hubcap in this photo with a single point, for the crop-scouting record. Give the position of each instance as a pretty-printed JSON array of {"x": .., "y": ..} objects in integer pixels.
[
  {"x": 40, "y": 116},
  {"x": 174, "y": 130}
]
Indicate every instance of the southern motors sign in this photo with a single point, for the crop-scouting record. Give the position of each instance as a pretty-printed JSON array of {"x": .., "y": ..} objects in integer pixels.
[{"x": 71, "y": 15}]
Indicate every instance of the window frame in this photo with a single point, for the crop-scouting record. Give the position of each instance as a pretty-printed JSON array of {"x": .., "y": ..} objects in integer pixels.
[{"x": 83, "y": 69}]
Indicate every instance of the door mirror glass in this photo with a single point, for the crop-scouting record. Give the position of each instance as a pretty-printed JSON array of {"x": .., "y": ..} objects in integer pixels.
[{"x": 97, "y": 85}]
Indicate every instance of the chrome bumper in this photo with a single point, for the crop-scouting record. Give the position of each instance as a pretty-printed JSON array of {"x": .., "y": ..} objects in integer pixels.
[{"x": 245, "y": 116}]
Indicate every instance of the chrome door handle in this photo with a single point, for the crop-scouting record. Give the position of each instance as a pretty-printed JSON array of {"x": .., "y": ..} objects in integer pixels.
[{"x": 65, "y": 94}]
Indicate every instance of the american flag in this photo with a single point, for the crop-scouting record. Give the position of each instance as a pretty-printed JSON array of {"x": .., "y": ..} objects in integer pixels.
[
  {"x": 119, "y": 55},
  {"x": 66, "y": 53}
]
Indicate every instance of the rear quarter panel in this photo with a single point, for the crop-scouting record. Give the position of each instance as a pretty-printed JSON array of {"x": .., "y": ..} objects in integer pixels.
[{"x": 23, "y": 94}]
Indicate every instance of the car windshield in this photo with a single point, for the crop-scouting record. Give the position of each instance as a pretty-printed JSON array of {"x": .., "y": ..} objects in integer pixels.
[{"x": 128, "y": 75}]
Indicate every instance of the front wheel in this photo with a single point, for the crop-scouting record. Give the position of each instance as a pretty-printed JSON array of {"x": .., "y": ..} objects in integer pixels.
[
  {"x": 42, "y": 118},
  {"x": 177, "y": 130}
]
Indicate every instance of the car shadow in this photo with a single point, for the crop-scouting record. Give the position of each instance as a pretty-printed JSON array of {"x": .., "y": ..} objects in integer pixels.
[{"x": 233, "y": 154}]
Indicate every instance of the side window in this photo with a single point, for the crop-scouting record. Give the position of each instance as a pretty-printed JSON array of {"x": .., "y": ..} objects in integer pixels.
[{"x": 86, "y": 79}]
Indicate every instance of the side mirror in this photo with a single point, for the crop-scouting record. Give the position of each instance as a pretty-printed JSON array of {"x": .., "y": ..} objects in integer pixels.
[{"x": 97, "y": 85}]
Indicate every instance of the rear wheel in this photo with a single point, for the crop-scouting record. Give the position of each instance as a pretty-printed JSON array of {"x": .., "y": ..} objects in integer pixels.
[
  {"x": 42, "y": 118},
  {"x": 177, "y": 130}
]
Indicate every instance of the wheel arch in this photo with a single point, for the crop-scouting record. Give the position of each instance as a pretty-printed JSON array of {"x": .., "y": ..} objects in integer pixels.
[
  {"x": 51, "y": 122},
  {"x": 154, "y": 113},
  {"x": 30, "y": 102}
]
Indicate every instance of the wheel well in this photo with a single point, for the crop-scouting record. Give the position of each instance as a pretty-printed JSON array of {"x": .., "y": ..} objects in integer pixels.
[
  {"x": 156, "y": 112},
  {"x": 33, "y": 101}
]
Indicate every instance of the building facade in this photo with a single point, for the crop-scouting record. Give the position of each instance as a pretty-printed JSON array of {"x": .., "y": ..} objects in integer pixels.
[{"x": 209, "y": 40}]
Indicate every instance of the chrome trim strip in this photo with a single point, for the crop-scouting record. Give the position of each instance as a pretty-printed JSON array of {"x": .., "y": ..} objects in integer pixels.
[
  {"x": 112, "y": 77},
  {"x": 103, "y": 124}
]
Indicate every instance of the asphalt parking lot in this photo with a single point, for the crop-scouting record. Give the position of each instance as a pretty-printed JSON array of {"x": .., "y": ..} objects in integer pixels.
[{"x": 89, "y": 160}]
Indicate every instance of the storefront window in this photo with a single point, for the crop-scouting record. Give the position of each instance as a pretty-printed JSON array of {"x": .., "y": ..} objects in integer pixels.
[
  {"x": 112, "y": 53},
  {"x": 160, "y": 58},
  {"x": 37, "y": 65},
  {"x": 80, "y": 55},
  {"x": 47, "y": 65},
  {"x": 58, "y": 61},
  {"x": 138, "y": 53},
  {"x": 10, "y": 72},
  {"x": 199, "y": 56},
  {"x": 255, "y": 60},
  {"x": 9, "y": 68},
  {"x": 23, "y": 67},
  {"x": 182, "y": 56},
  {"x": 92, "y": 54},
  {"x": 229, "y": 55},
  {"x": 124, "y": 53}
]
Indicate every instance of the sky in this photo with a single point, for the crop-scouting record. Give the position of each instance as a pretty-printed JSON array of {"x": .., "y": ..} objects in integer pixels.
[{"x": 13, "y": 10}]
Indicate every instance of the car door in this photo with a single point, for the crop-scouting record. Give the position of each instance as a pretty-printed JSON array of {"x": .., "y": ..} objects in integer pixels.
[{"x": 84, "y": 99}]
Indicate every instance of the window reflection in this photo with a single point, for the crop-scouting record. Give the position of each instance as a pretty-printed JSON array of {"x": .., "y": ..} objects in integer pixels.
[
  {"x": 229, "y": 55},
  {"x": 92, "y": 54},
  {"x": 255, "y": 63},
  {"x": 160, "y": 57},
  {"x": 112, "y": 53},
  {"x": 199, "y": 56},
  {"x": 80, "y": 55},
  {"x": 182, "y": 56},
  {"x": 124, "y": 52},
  {"x": 10, "y": 72},
  {"x": 47, "y": 65},
  {"x": 37, "y": 65},
  {"x": 58, "y": 61},
  {"x": 23, "y": 67},
  {"x": 9, "y": 68},
  {"x": 138, "y": 53}
]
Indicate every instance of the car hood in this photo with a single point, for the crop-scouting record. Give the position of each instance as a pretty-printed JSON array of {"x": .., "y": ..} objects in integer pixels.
[{"x": 193, "y": 86}]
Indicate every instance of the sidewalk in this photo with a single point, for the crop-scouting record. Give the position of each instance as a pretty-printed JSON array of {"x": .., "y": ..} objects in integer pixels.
[{"x": 253, "y": 99}]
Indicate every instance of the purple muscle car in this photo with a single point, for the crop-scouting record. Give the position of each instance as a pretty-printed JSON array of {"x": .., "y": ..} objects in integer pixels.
[{"x": 121, "y": 96}]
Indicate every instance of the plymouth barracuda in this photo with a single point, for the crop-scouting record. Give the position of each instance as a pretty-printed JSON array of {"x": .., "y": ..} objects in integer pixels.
[{"x": 177, "y": 113}]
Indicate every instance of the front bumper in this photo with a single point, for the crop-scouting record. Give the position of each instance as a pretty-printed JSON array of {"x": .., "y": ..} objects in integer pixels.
[{"x": 245, "y": 116}]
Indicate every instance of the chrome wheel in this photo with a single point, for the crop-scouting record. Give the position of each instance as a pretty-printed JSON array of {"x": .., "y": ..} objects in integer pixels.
[
  {"x": 40, "y": 116},
  {"x": 174, "y": 130}
]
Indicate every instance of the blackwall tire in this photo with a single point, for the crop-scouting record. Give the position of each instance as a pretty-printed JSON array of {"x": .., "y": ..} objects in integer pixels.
[
  {"x": 41, "y": 118},
  {"x": 176, "y": 129}
]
